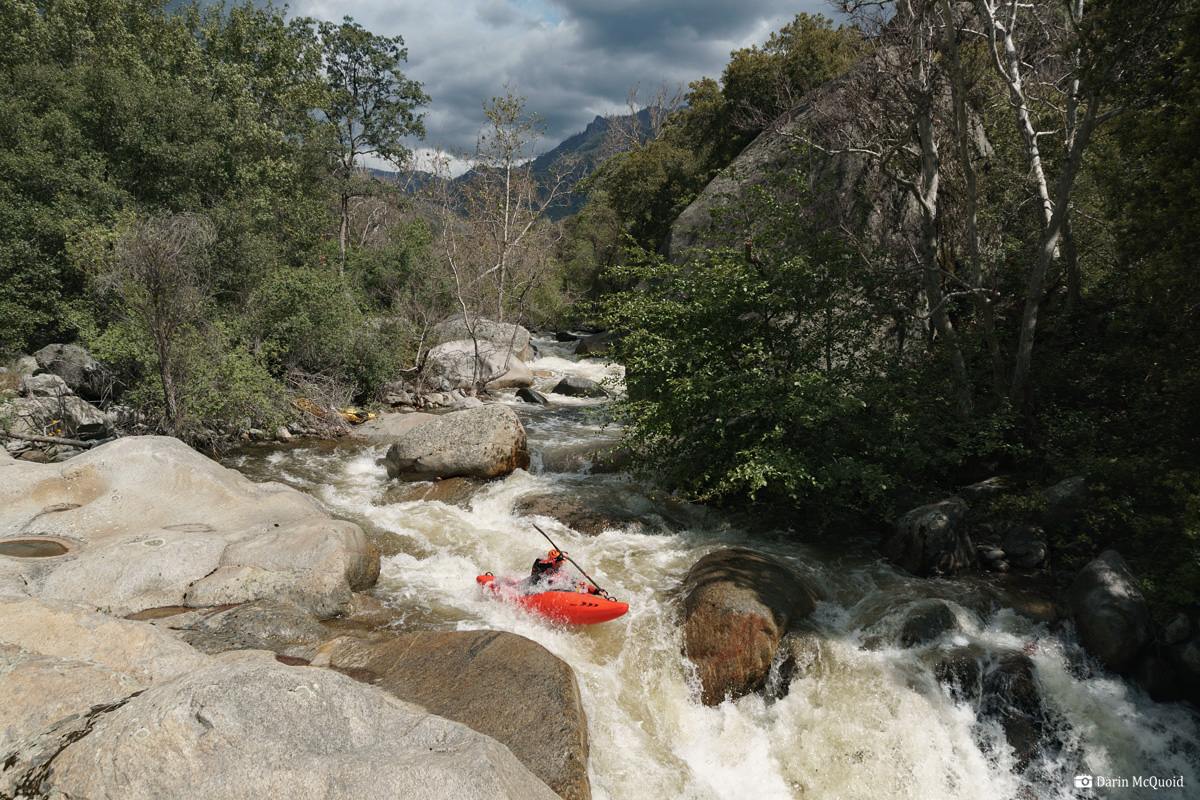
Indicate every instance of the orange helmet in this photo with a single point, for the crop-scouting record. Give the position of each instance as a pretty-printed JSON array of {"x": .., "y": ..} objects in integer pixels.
[{"x": 554, "y": 555}]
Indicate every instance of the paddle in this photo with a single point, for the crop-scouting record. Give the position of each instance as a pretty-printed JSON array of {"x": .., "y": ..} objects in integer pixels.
[{"x": 603, "y": 592}]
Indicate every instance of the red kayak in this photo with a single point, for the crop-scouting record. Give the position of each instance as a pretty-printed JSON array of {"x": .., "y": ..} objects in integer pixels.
[{"x": 576, "y": 608}]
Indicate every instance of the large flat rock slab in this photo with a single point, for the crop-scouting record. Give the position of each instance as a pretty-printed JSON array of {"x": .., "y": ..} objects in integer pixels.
[
  {"x": 245, "y": 726},
  {"x": 59, "y": 659},
  {"x": 149, "y": 522}
]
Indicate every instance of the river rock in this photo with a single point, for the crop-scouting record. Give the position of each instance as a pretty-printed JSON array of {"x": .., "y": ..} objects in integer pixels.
[
  {"x": 1110, "y": 611},
  {"x": 486, "y": 442},
  {"x": 491, "y": 366},
  {"x": 531, "y": 396},
  {"x": 59, "y": 659},
  {"x": 926, "y": 622},
  {"x": 86, "y": 376},
  {"x": 576, "y": 513},
  {"x": 451, "y": 491},
  {"x": 597, "y": 344},
  {"x": 501, "y": 684},
  {"x": 931, "y": 540},
  {"x": 1184, "y": 658},
  {"x": 1024, "y": 546},
  {"x": 737, "y": 607},
  {"x": 65, "y": 415},
  {"x": 1003, "y": 686},
  {"x": 387, "y": 428},
  {"x": 576, "y": 386},
  {"x": 149, "y": 522},
  {"x": 261, "y": 625},
  {"x": 249, "y": 727},
  {"x": 502, "y": 334}
]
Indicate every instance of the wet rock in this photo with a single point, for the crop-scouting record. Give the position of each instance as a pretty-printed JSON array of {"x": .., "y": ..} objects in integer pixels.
[
  {"x": 1010, "y": 694},
  {"x": 531, "y": 396},
  {"x": 800, "y": 656},
  {"x": 1186, "y": 659},
  {"x": 737, "y": 607},
  {"x": 612, "y": 461},
  {"x": 86, "y": 376},
  {"x": 501, "y": 684},
  {"x": 931, "y": 540},
  {"x": 576, "y": 386},
  {"x": 595, "y": 345},
  {"x": 451, "y": 491},
  {"x": 926, "y": 622},
  {"x": 149, "y": 522},
  {"x": 1025, "y": 546},
  {"x": 1003, "y": 686},
  {"x": 1158, "y": 677},
  {"x": 249, "y": 727},
  {"x": 1110, "y": 611},
  {"x": 576, "y": 513},
  {"x": 486, "y": 442}
]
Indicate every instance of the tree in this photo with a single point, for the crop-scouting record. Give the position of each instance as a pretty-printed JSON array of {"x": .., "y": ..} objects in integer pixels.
[
  {"x": 159, "y": 281},
  {"x": 371, "y": 106},
  {"x": 759, "y": 84}
]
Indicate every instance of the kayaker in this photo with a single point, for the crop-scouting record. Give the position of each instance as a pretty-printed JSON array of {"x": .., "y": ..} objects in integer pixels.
[{"x": 549, "y": 569}]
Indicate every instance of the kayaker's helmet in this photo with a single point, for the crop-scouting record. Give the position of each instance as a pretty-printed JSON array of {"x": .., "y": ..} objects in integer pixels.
[{"x": 554, "y": 555}]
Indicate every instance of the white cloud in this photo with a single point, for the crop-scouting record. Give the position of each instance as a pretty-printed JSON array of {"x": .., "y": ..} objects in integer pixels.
[{"x": 571, "y": 59}]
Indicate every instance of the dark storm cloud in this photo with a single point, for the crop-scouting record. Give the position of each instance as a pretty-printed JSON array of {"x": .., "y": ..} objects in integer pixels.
[{"x": 571, "y": 59}]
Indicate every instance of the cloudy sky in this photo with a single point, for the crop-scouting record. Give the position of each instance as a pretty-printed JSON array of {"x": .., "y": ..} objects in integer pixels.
[{"x": 571, "y": 59}]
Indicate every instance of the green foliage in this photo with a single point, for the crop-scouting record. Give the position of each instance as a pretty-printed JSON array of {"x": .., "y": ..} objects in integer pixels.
[
  {"x": 761, "y": 382},
  {"x": 648, "y": 186},
  {"x": 228, "y": 381},
  {"x": 370, "y": 104},
  {"x": 759, "y": 84},
  {"x": 654, "y": 183},
  {"x": 121, "y": 115},
  {"x": 401, "y": 267}
]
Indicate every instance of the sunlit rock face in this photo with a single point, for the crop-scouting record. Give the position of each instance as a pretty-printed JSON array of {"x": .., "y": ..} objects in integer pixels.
[
  {"x": 148, "y": 522},
  {"x": 486, "y": 442}
]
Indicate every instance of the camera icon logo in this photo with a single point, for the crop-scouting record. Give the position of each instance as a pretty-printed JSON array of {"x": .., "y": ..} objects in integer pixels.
[{"x": 1083, "y": 781}]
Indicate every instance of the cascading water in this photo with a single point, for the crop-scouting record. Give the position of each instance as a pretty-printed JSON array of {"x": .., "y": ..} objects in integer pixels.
[{"x": 864, "y": 717}]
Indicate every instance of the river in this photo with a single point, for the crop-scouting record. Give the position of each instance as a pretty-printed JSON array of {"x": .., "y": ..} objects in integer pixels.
[{"x": 867, "y": 718}]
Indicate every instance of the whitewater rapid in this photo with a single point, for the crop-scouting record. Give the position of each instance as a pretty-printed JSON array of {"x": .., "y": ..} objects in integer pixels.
[{"x": 866, "y": 719}]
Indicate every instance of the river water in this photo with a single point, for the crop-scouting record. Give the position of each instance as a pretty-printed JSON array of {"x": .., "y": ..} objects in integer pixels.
[{"x": 865, "y": 718}]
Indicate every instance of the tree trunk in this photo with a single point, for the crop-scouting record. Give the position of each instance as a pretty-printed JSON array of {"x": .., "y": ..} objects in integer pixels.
[
  {"x": 343, "y": 232},
  {"x": 1046, "y": 254}
]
